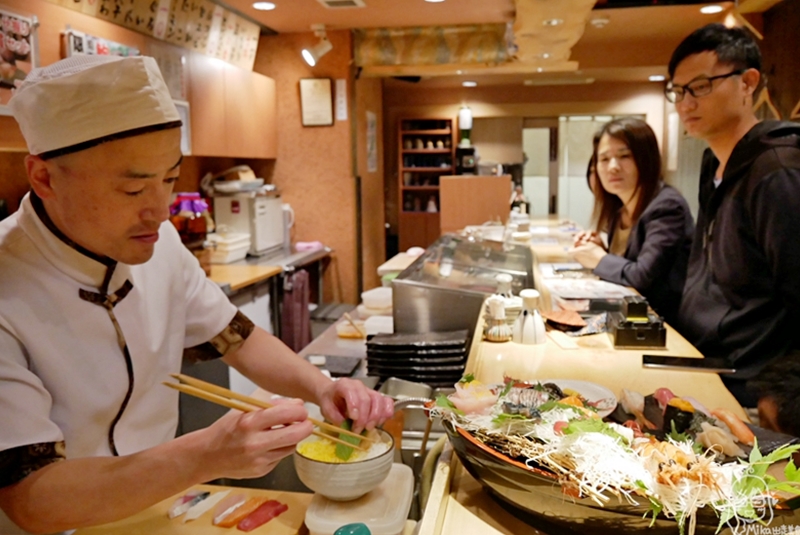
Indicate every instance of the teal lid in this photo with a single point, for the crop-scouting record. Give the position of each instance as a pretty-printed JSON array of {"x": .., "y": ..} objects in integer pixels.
[{"x": 353, "y": 529}]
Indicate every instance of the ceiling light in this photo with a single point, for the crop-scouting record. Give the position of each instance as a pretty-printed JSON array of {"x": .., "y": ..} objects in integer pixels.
[
  {"x": 539, "y": 69},
  {"x": 434, "y": 1},
  {"x": 469, "y": 83},
  {"x": 552, "y": 22},
  {"x": 544, "y": 55},
  {"x": 710, "y": 10},
  {"x": 599, "y": 22},
  {"x": 657, "y": 78},
  {"x": 264, "y": 6},
  {"x": 313, "y": 54}
]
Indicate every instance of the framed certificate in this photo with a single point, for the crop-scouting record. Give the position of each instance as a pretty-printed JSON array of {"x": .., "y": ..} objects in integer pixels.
[{"x": 316, "y": 101}]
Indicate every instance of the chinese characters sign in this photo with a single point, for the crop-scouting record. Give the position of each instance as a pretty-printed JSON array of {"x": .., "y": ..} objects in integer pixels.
[{"x": 198, "y": 25}]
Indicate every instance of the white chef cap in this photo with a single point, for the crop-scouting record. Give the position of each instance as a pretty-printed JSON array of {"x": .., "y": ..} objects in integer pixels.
[{"x": 82, "y": 101}]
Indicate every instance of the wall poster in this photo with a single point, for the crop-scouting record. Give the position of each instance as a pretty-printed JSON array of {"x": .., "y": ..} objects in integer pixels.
[{"x": 18, "y": 54}]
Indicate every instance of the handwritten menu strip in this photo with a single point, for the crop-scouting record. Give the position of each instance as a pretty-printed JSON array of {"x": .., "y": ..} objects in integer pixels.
[{"x": 198, "y": 25}]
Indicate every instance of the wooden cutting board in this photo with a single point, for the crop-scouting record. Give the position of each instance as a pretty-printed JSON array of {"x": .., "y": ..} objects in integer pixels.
[{"x": 154, "y": 520}]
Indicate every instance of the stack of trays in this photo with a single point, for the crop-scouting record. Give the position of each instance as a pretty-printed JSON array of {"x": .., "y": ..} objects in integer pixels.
[{"x": 436, "y": 359}]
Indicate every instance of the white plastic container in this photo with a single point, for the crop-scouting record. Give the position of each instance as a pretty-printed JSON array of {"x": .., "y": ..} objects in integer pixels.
[
  {"x": 384, "y": 510},
  {"x": 380, "y": 298},
  {"x": 229, "y": 247}
]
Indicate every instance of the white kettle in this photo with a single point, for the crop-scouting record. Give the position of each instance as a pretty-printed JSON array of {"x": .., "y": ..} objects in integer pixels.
[{"x": 529, "y": 325}]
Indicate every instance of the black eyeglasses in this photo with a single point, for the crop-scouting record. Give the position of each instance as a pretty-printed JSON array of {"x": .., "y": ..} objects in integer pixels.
[{"x": 697, "y": 88}]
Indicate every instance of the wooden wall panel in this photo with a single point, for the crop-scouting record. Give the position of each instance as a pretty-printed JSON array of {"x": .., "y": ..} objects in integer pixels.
[{"x": 473, "y": 200}]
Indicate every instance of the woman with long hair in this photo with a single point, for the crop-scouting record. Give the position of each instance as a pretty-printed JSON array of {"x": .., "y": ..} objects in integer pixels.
[{"x": 649, "y": 224}]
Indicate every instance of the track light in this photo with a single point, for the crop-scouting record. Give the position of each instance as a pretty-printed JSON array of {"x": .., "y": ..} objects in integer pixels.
[{"x": 313, "y": 54}]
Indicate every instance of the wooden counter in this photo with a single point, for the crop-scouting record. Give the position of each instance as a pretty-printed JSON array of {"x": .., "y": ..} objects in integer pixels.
[
  {"x": 457, "y": 502},
  {"x": 154, "y": 520},
  {"x": 238, "y": 277}
]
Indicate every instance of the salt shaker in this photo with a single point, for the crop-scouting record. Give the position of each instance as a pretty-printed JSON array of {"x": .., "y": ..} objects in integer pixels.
[{"x": 529, "y": 326}]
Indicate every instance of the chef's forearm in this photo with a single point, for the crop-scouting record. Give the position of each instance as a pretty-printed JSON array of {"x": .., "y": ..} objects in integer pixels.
[
  {"x": 95, "y": 490},
  {"x": 270, "y": 364}
]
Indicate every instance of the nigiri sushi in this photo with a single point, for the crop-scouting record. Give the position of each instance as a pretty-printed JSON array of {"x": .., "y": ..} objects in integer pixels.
[
  {"x": 241, "y": 512},
  {"x": 265, "y": 512},
  {"x": 633, "y": 403},
  {"x": 186, "y": 502}
]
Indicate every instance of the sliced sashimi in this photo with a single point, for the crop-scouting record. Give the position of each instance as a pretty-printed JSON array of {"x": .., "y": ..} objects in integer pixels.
[
  {"x": 266, "y": 512},
  {"x": 240, "y": 513}
]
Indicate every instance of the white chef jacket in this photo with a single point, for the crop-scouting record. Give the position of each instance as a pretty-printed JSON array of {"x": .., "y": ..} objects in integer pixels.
[{"x": 63, "y": 376}]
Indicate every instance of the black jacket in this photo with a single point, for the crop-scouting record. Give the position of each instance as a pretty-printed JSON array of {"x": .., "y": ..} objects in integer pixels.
[
  {"x": 742, "y": 294},
  {"x": 657, "y": 253}
]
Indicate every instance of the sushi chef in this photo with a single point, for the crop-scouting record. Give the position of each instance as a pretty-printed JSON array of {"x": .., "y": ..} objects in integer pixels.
[{"x": 99, "y": 299}]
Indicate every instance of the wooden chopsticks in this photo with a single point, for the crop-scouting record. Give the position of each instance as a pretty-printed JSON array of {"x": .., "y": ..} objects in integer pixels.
[
  {"x": 233, "y": 400},
  {"x": 358, "y": 329}
]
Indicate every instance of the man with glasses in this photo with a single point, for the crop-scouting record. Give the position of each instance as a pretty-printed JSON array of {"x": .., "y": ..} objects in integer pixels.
[{"x": 742, "y": 294}]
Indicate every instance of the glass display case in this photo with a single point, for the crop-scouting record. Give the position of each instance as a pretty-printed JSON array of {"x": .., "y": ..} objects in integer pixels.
[{"x": 444, "y": 289}]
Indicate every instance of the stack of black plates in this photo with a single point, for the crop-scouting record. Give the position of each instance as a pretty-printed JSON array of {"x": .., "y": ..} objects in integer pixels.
[{"x": 436, "y": 359}]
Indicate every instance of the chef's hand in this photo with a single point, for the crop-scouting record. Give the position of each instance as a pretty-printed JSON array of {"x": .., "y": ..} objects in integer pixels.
[
  {"x": 589, "y": 254},
  {"x": 348, "y": 398},
  {"x": 247, "y": 445},
  {"x": 587, "y": 236}
]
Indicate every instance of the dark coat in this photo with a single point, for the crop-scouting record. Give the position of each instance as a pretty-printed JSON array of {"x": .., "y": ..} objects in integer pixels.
[
  {"x": 657, "y": 253},
  {"x": 742, "y": 295}
]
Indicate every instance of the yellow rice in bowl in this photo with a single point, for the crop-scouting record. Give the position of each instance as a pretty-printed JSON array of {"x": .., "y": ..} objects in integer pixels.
[{"x": 320, "y": 449}]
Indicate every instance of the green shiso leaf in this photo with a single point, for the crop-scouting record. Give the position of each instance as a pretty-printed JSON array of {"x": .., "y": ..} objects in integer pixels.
[
  {"x": 468, "y": 378},
  {"x": 442, "y": 401},
  {"x": 504, "y": 418},
  {"x": 685, "y": 437},
  {"x": 344, "y": 452},
  {"x": 593, "y": 425}
]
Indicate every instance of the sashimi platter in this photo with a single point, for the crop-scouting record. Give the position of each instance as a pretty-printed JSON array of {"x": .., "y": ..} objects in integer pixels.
[{"x": 564, "y": 451}]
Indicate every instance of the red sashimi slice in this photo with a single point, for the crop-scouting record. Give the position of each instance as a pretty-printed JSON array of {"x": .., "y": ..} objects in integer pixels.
[{"x": 262, "y": 515}]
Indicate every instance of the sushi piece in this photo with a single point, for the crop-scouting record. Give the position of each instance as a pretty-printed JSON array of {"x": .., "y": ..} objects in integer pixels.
[
  {"x": 678, "y": 414},
  {"x": 186, "y": 502},
  {"x": 197, "y": 510},
  {"x": 715, "y": 437},
  {"x": 241, "y": 512},
  {"x": 742, "y": 433},
  {"x": 633, "y": 403},
  {"x": 663, "y": 395},
  {"x": 266, "y": 512},
  {"x": 228, "y": 506}
]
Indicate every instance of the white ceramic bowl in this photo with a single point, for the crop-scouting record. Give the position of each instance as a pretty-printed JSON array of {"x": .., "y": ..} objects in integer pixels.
[{"x": 345, "y": 481}]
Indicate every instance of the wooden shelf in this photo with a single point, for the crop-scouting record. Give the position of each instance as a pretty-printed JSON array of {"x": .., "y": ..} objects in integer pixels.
[
  {"x": 439, "y": 132},
  {"x": 419, "y": 227}
]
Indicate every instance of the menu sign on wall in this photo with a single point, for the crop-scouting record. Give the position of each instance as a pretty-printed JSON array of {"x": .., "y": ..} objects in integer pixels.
[
  {"x": 198, "y": 25},
  {"x": 16, "y": 51}
]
